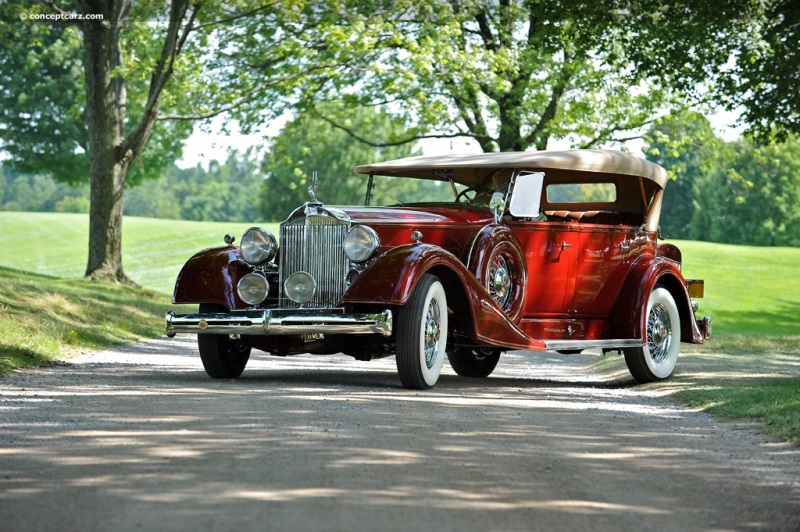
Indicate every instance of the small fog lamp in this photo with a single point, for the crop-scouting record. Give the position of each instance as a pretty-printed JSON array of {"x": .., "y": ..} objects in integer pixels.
[
  {"x": 253, "y": 288},
  {"x": 300, "y": 287}
]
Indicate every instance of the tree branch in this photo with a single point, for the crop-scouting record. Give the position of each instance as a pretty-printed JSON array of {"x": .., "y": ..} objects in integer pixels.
[
  {"x": 136, "y": 140},
  {"x": 245, "y": 98},
  {"x": 387, "y": 144},
  {"x": 232, "y": 18}
]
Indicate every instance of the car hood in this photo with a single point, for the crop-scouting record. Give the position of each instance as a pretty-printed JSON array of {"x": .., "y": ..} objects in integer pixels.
[{"x": 428, "y": 214}]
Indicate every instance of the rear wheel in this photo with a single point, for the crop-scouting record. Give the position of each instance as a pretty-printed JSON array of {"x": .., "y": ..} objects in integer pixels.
[
  {"x": 422, "y": 335},
  {"x": 474, "y": 362},
  {"x": 222, "y": 357},
  {"x": 657, "y": 358}
]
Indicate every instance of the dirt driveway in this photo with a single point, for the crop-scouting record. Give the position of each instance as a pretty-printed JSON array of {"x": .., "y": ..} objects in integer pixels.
[{"x": 140, "y": 439}]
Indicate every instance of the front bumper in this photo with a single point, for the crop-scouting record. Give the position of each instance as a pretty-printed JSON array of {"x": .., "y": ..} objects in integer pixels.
[{"x": 280, "y": 322}]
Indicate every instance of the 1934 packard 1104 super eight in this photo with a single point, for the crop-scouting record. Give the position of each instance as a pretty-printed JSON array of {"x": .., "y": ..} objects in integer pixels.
[{"x": 553, "y": 250}]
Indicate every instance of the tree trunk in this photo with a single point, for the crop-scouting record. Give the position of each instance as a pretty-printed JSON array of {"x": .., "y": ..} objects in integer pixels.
[{"x": 105, "y": 120}]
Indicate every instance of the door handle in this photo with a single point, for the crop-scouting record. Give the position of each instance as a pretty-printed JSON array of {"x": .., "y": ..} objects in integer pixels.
[{"x": 565, "y": 245}]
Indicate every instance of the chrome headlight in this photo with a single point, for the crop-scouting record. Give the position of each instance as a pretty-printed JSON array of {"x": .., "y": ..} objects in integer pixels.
[
  {"x": 361, "y": 243},
  {"x": 253, "y": 288},
  {"x": 258, "y": 245}
]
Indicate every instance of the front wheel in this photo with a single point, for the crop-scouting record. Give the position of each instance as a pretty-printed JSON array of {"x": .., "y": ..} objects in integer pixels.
[
  {"x": 474, "y": 362},
  {"x": 422, "y": 335},
  {"x": 222, "y": 357},
  {"x": 657, "y": 358}
]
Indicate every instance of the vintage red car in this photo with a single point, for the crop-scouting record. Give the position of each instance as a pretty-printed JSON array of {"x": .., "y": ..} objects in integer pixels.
[{"x": 551, "y": 250}]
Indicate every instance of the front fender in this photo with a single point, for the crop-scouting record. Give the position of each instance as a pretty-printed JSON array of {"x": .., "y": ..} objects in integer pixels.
[
  {"x": 391, "y": 280},
  {"x": 628, "y": 318},
  {"x": 210, "y": 276}
]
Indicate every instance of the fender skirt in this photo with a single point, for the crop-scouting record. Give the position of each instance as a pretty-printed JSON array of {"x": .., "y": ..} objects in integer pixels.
[{"x": 391, "y": 280}]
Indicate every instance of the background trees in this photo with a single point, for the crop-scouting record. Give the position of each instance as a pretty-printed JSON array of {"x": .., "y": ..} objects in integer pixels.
[{"x": 110, "y": 102}]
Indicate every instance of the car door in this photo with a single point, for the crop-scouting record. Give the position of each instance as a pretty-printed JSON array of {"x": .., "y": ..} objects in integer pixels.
[
  {"x": 550, "y": 259},
  {"x": 602, "y": 261}
]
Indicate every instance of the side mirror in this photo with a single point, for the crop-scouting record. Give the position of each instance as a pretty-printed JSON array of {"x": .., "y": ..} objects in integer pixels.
[
  {"x": 527, "y": 195},
  {"x": 497, "y": 205}
]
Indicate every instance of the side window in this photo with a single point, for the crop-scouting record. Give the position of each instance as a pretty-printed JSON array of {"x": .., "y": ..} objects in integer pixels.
[{"x": 581, "y": 193}]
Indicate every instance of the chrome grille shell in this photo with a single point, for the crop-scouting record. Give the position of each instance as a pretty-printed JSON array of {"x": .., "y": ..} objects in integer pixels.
[{"x": 312, "y": 240}]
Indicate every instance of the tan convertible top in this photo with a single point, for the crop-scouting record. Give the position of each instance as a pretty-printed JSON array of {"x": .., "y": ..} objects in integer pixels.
[{"x": 472, "y": 169}]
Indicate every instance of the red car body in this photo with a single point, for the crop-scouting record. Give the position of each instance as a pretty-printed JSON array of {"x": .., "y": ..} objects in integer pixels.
[{"x": 530, "y": 270}]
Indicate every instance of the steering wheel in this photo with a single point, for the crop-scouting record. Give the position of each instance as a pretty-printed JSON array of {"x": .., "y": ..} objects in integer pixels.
[{"x": 476, "y": 191}]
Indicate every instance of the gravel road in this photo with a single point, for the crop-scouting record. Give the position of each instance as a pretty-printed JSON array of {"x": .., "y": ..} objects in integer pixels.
[{"x": 139, "y": 438}]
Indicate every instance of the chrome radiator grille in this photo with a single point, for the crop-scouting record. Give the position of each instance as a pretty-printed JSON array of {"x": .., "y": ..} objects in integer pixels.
[{"x": 314, "y": 244}]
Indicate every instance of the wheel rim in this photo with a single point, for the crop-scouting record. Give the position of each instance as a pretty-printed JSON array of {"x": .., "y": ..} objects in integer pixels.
[
  {"x": 659, "y": 333},
  {"x": 432, "y": 333},
  {"x": 500, "y": 281}
]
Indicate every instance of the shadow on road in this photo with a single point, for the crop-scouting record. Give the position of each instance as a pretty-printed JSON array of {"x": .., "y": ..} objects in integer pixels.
[{"x": 140, "y": 438}]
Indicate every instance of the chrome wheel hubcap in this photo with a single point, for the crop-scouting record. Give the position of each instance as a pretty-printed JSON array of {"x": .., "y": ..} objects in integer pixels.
[
  {"x": 659, "y": 333},
  {"x": 432, "y": 333},
  {"x": 500, "y": 281}
]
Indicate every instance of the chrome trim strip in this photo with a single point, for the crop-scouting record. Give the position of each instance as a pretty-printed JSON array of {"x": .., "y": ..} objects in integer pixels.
[
  {"x": 280, "y": 322},
  {"x": 560, "y": 345}
]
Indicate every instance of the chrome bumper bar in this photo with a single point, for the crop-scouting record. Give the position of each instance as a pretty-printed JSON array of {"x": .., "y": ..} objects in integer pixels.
[{"x": 281, "y": 322}]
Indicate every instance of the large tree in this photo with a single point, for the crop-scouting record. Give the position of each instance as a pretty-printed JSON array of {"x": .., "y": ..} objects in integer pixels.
[
  {"x": 82, "y": 120},
  {"x": 763, "y": 82},
  {"x": 516, "y": 74},
  {"x": 84, "y": 94}
]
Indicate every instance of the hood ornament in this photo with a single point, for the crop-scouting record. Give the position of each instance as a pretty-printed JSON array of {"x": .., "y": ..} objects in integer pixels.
[{"x": 312, "y": 190}]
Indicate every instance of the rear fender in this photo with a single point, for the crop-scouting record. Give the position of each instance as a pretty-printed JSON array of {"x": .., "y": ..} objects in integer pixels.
[
  {"x": 210, "y": 276},
  {"x": 391, "y": 280},
  {"x": 628, "y": 318}
]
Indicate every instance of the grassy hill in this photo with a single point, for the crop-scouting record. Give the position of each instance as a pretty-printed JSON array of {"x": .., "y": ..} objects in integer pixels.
[{"x": 153, "y": 250}]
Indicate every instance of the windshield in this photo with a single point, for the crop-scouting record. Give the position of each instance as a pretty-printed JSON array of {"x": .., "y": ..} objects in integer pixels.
[{"x": 406, "y": 190}]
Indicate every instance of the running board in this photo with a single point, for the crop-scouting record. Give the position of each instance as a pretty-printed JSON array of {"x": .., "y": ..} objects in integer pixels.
[{"x": 579, "y": 345}]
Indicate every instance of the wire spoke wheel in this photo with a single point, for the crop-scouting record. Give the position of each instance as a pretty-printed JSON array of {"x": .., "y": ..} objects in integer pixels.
[
  {"x": 657, "y": 358},
  {"x": 422, "y": 335}
]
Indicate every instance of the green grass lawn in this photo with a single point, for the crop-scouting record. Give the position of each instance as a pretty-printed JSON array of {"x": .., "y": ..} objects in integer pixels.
[
  {"x": 749, "y": 290},
  {"x": 153, "y": 250}
]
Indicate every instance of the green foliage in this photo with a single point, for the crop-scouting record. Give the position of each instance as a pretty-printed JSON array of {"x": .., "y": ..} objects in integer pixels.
[
  {"x": 764, "y": 80},
  {"x": 43, "y": 102},
  {"x": 310, "y": 144},
  {"x": 224, "y": 192},
  {"x": 735, "y": 192},
  {"x": 24, "y": 192},
  {"x": 41, "y": 95},
  {"x": 511, "y": 75},
  {"x": 754, "y": 198}
]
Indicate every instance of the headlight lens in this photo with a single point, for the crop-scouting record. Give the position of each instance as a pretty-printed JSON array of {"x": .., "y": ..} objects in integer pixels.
[
  {"x": 300, "y": 287},
  {"x": 258, "y": 245},
  {"x": 361, "y": 243},
  {"x": 253, "y": 288}
]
